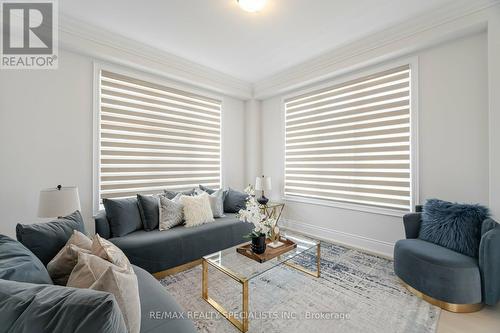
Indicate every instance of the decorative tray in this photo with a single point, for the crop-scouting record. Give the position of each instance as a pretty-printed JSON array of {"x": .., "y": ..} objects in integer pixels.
[{"x": 270, "y": 252}]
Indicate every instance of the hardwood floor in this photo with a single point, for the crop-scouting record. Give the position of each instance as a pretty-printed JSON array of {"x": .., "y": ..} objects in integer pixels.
[{"x": 485, "y": 321}]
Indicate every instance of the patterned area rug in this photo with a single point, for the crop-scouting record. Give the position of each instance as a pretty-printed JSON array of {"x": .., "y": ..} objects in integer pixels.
[{"x": 357, "y": 292}]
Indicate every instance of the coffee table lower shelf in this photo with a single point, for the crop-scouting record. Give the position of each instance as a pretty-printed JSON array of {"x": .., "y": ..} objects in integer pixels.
[{"x": 242, "y": 324}]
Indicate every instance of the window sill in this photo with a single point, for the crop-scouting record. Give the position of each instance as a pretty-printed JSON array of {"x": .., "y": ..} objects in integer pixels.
[{"x": 349, "y": 206}]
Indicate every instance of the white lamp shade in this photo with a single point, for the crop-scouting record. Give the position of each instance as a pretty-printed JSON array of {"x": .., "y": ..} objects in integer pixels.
[
  {"x": 258, "y": 183},
  {"x": 262, "y": 183},
  {"x": 54, "y": 202}
]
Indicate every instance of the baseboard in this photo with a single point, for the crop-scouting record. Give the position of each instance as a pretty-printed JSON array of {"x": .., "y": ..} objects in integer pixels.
[{"x": 365, "y": 244}]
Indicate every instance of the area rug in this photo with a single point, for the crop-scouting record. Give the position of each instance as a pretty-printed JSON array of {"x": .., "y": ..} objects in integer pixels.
[{"x": 356, "y": 292}]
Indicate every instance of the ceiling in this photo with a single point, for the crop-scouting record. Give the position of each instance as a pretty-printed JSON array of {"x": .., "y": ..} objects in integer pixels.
[{"x": 248, "y": 46}]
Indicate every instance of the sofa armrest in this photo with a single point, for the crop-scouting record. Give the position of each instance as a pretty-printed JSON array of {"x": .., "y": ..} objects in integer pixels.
[
  {"x": 412, "y": 224},
  {"x": 102, "y": 225},
  {"x": 489, "y": 265}
]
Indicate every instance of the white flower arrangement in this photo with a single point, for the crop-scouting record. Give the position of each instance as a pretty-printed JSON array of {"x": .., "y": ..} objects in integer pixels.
[{"x": 263, "y": 226}]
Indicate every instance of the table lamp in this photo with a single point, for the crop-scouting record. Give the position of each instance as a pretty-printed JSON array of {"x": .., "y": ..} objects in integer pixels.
[
  {"x": 58, "y": 201},
  {"x": 261, "y": 184}
]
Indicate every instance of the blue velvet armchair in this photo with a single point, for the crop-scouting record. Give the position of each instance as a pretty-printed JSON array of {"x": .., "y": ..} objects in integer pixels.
[{"x": 445, "y": 278}]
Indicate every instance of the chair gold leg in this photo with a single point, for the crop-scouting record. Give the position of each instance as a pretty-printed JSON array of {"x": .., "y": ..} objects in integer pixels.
[{"x": 451, "y": 307}]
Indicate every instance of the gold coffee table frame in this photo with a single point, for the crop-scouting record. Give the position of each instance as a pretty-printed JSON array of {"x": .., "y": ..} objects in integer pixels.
[{"x": 242, "y": 324}]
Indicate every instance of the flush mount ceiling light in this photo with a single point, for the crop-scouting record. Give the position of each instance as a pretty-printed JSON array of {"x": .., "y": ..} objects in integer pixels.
[{"x": 251, "y": 6}]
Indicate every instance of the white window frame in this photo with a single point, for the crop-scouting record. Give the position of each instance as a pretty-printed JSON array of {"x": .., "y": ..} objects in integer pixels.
[
  {"x": 414, "y": 150},
  {"x": 141, "y": 75}
]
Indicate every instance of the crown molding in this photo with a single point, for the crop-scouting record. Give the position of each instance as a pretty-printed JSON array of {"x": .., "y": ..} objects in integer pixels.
[
  {"x": 458, "y": 19},
  {"x": 78, "y": 37}
]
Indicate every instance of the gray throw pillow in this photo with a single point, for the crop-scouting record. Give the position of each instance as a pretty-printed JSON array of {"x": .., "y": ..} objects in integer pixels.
[
  {"x": 46, "y": 239},
  {"x": 123, "y": 216},
  {"x": 149, "y": 208},
  {"x": 172, "y": 194},
  {"x": 216, "y": 201},
  {"x": 171, "y": 212},
  {"x": 235, "y": 201},
  {"x": 17, "y": 263},
  {"x": 452, "y": 225},
  {"x": 211, "y": 191},
  {"x": 28, "y": 307}
]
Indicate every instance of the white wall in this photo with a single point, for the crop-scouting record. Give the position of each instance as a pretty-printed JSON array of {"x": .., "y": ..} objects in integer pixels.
[
  {"x": 453, "y": 140},
  {"x": 46, "y": 137}
]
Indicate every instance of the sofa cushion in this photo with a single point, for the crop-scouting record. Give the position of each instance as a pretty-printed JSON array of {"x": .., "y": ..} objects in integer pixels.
[
  {"x": 454, "y": 226},
  {"x": 437, "y": 271},
  {"x": 172, "y": 194},
  {"x": 46, "y": 239},
  {"x": 171, "y": 212},
  {"x": 96, "y": 273},
  {"x": 157, "y": 250},
  {"x": 17, "y": 263},
  {"x": 27, "y": 307},
  {"x": 110, "y": 252},
  {"x": 156, "y": 304},
  {"x": 149, "y": 209},
  {"x": 123, "y": 216},
  {"x": 197, "y": 209},
  {"x": 235, "y": 201}
]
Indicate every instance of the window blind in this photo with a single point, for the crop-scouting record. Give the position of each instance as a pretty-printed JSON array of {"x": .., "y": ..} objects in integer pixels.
[
  {"x": 154, "y": 137},
  {"x": 351, "y": 142}
]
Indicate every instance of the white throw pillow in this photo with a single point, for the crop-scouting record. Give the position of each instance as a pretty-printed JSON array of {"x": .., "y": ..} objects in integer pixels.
[
  {"x": 110, "y": 252},
  {"x": 96, "y": 273},
  {"x": 62, "y": 264},
  {"x": 197, "y": 209},
  {"x": 216, "y": 201}
]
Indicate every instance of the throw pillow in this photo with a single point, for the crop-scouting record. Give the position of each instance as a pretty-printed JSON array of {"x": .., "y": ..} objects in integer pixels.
[
  {"x": 149, "y": 208},
  {"x": 110, "y": 252},
  {"x": 98, "y": 274},
  {"x": 28, "y": 307},
  {"x": 171, "y": 212},
  {"x": 62, "y": 264},
  {"x": 47, "y": 238},
  {"x": 211, "y": 190},
  {"x": 123, "y": 215},
  {"x": 235, "y": 201},
  {"x": 454, "y": 226},
  {"x": 197, "y": 210},
  {"x": 17, "y": 263},
  {"x": 216, "y": 201},
  {"x": 172, "y": 194}
]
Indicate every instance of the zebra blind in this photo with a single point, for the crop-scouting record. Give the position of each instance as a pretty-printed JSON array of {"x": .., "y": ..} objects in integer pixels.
[
  {"x": 351, "y": 142},
  {"x": 153, "y": 137}
]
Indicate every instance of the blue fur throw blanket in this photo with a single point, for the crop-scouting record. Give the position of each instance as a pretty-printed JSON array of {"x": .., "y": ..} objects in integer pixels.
[{"x": 452, "y": 225}]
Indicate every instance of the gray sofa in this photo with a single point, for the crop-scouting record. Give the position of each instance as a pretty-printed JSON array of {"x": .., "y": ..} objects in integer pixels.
[
  {"x": 44, "y": 307},
  {"x": 156, "y": 251},
  {"x": 449, "y": 279}
]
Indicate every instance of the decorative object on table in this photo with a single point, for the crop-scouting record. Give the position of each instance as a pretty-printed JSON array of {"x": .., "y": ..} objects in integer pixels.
[
  {"x": 58, "y": 201},
  {"x": 270, "y": 253},
  {"x": 262, "y": 223},
  {"x": 273, "y": 210},
  {"x": 261, "y": 184}
]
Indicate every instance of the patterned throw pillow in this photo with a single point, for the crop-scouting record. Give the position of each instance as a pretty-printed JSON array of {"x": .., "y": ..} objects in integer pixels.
[
  {"x": 452, "y": 225},
  {"x": 197, "y": 210},
  {"x": 171, "y": 212}
]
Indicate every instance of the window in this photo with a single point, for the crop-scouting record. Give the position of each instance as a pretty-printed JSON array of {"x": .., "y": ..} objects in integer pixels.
[
  {"x": 350, "y": 143},
  {"x": 153, "y": 137}
]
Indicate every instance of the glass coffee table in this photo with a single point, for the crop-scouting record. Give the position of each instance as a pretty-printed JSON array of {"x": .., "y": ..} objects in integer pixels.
[{"x": 243, "y": 269}]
